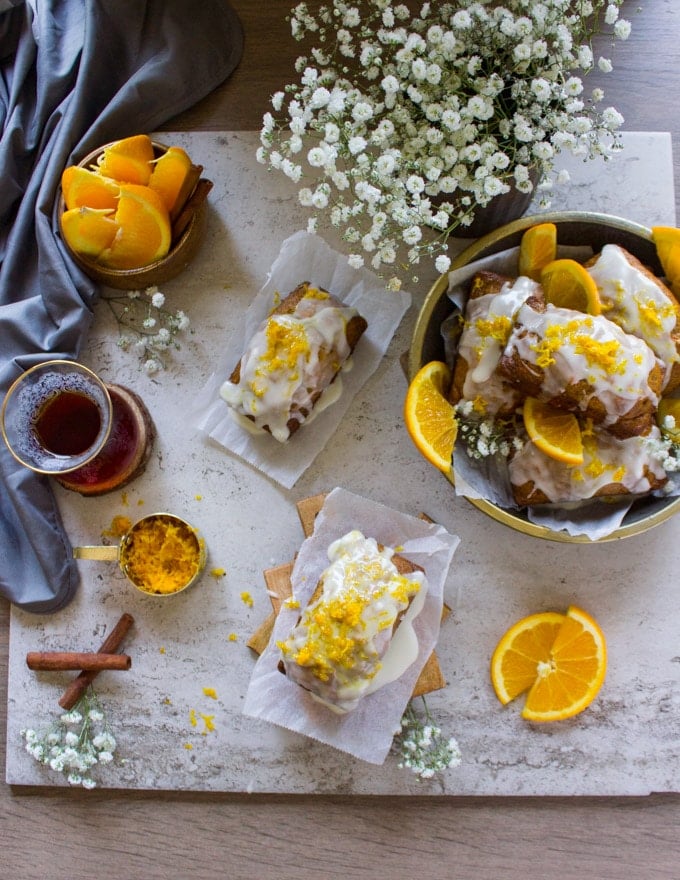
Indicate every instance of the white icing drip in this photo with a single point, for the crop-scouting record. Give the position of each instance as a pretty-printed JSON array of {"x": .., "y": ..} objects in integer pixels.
[
  {"x": 289, "y": 358},
  {"x": 607, "y": 460},
  {"x": 636, "y": 302},
  {"x": 482, "y": 351},
  {"x": 363, "y": 581},
  {"x": 618, "y": 383}
]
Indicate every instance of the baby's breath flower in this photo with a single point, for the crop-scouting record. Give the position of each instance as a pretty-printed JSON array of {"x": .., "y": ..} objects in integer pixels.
[
  {"x": 74, "y": 745},
  {"x": 146, "y": 327},
  {"x": 421, "y": 747},
  {"x": 443, "y": 108}
]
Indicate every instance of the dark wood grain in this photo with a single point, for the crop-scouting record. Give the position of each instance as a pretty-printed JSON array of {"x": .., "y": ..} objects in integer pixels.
[{"x": 59, "y": 834}]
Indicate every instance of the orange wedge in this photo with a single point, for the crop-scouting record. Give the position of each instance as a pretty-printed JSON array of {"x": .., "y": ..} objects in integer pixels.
[
  {"x": 89, "y": 231},
  {"x": 169, "y": 173},
  {"x": 144, "y": 234},
  {"x": 568, "y": 285},
  {"x": 537, "y": 248},
  {"x": 669, "y": 406},
  {"x": 81, "y": 187},
  {"x": 558, "y": 660},
  {"x": 667, "y": 241},
  {"x": 554, "y": 432},
  {"x": 430, "y": 418},
  {"x": 128, "y": 160}
]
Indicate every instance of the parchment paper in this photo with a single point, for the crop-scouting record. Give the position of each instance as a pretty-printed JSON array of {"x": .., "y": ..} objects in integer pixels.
[
  {"x": 303, "y": 257},
  {"x": 366, "y": 732}
]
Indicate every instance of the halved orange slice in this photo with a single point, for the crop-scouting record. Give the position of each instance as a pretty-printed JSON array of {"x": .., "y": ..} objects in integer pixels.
[
  {"x": 554, "y": 432},
  {"x": 128, "y": 160},
  {"x": 144, "y": 234},
  {"x": 667, "y": 241},
  {"x": 568, "y": 285},
  {"x": 81, "y": 187},
  {"x": 537, "y": 248},
  {"x": 559, "y": 659},
  {"x": 89, "y": 231},
  {"x": 430, "y": 418}
]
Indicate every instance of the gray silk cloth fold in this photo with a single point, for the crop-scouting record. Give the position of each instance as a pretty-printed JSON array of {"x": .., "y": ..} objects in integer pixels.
[{"x": 74, "y": 74}]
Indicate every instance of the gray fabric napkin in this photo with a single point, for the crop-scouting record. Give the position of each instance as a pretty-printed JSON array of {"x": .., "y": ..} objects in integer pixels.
[{"x": 73, "y": 76}]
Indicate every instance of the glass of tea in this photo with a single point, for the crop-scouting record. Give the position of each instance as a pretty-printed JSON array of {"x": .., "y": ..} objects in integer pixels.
[{"x": 56, "y": 417}]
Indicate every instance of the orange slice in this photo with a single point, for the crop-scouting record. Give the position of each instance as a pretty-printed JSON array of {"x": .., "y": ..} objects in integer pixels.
[
  {"x": 169, "y": 173},
  {"x": 144, "y": 234},
  {"x": 89, "y": 231},
  {"x": 430, "y": 418},
  {"x": 128, "y": 160},
  {"x": 81, "y": 187},
  {"x": 559, "y": 660},
  {"x": 669, "y": 406},
  {"x": 568, "y": 285},
  {"x": 554, "y": 432},
  {"x": 537, "y": 248},
  {"x": 667, "y": 241}
]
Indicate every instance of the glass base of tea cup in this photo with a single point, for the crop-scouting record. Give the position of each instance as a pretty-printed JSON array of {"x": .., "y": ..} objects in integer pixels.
[{"x": 126, "y": 452}]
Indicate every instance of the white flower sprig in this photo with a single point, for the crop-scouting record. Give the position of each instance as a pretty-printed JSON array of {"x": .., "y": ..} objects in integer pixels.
[
  {"x": 401, "y": 124},
  {"x": 666, "y": 449},
  {"x": 421, "y": 747},
  {"x": 79, "y": 741},
  {"x": 145, "y": 326},
  {"x": 485, "y": 436}
]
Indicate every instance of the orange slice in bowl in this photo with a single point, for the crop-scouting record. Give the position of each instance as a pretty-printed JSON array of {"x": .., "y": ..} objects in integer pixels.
[
  {"x": 554, "y": 432},
  {"x": 430, "y": 418},
  {"x": 537, "y": 248},
  {"x": 144, "y": 234},
  {"x": 559, "y": 660},
  {"x": 667, "y": 241},
  {"x": 128, "y": 160},
  {"x": 89, "y": 231},
  {"x": 81, "y": 187},
  {"x": 568, "y": 285},
  {"x": 169, "y": 174}
]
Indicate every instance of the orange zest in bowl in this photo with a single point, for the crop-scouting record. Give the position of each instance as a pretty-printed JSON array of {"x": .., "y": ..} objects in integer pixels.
[
  {"x": 568, "y": 285},
  {"x": 558, "y": 660},
  {"x": 430, "y": 418},
  {"x": 537, "y": 248}
]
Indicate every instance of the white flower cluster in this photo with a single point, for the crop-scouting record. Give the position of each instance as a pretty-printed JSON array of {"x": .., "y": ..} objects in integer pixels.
[
  {"x": 666, "y": 449},
  {"x": 145, "y": 326},
  {"x": 400, "y": 124},
  {"x": 483, "y": 437},
  {"x": 76, "y": 744},
  {"x": 421, "y": 747}
]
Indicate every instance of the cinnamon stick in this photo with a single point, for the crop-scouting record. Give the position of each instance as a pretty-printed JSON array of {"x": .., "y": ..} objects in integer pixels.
[
  {"x": 56, "y": 660},
  {"x": 185, "y": 216},
  {"x": 110, "y": 645}
]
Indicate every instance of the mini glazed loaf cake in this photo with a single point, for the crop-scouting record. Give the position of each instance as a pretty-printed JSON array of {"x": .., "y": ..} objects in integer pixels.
[
  {"x": 611, "y": 468},
  {"x": 292, "y": 359},
  {"x": 492, "y": 305},
  {"x": 584, "y": 364},
  {"x": 355, "y": 634},
  {"x": 632, "y": 297}
]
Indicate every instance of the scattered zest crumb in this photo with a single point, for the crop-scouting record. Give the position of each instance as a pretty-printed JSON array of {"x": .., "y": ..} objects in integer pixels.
[
  {"x": 210, "y": 692},
  {"x": 188, "y": 746},
  {"x": 217, "y": 572},
  {"x": 247, "y": 599},
  {"x": 198, "y": 497},
  {"x": 292, "y": 602},
  {"x": 119, "y": 526},
  {"x": 161, "y": 650},
  {"x": 124, "y": 499},
  {"x": 233, "y": 637},
  {"x": 193, "y": 721},
  {"x": 167, "y": 701},
  {"x": 208, "y": 722}
]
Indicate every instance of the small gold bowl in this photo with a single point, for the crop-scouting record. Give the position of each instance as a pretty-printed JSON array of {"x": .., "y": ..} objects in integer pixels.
[
  {"x": 182, "y": 251},
  {"x": 573, "y": 228}
]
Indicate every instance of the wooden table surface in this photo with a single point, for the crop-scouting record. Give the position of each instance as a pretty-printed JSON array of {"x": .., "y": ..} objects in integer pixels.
[{"x": 54, "y": 833}]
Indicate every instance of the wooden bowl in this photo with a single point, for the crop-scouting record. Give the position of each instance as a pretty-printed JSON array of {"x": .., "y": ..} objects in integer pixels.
[
  {"x": 185, "y": 243},
  {"x": 573, "y": 228}
]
